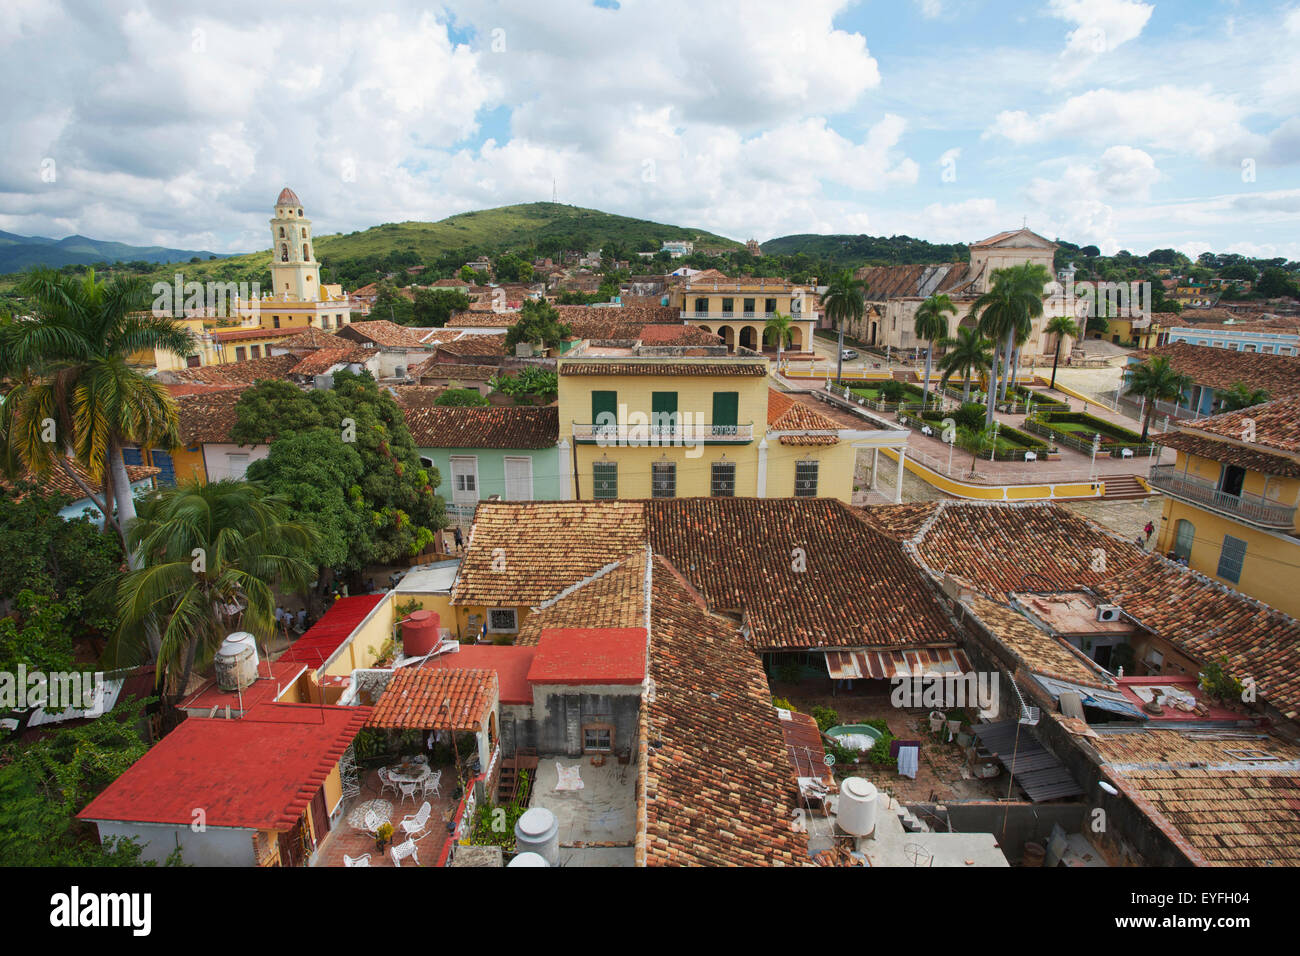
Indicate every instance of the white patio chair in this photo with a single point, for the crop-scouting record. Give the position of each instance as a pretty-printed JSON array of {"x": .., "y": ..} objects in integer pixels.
[
  {"x": 373, "y": 822},
  {"x": 386, "y": 782},
  {"x": 402, "y": 850},
  {"x": 408, "y": 789},
  {"x": 418, "y": 821},
  {"x": 433, "y": 784},
  {"x": 356, "y": 861}
]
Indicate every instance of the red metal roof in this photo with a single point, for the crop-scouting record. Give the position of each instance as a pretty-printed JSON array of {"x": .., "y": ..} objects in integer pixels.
[
  {"x": 272, "y": 680},
  {"x": 258, "y": 772},
  {"x": 335, "y": 626},
  {"x": 612, "y": 655},
  {"x": 511, "y": 662}
]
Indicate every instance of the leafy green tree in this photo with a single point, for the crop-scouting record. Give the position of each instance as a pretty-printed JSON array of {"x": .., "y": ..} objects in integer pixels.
[
  {"x": 1061, "y": 326},
  {"x": 510, "y": 268},
  {"x": 1277, "y": 284},
  {"x": 931, "y": 324},
  {"x": 1156, "y": 380},
  {"x": 433, "y": 307},
  {"x": 44, "y": 784},
  {"x": 843, "y": 302},
  {"x": 778, "y": 327},
  {"x": 1005, "y": 314},
  {"x": 367, "y": 490},
  {"x": 213, "y": 555},
  {"x": 539, "y": 322},
  {"x": 392, "y": 305},
  {"x": 71, "y": 365}
]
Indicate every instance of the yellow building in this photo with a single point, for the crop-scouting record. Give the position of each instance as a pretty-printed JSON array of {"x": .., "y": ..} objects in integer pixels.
[
  {"x": 637, "y": 427},
  {"x": 1231, "y": 500},
  {"x": 738, "y": 309}
]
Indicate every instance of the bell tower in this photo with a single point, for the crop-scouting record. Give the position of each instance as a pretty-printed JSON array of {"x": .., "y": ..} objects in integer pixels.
[{"x": 295, "y": 273}]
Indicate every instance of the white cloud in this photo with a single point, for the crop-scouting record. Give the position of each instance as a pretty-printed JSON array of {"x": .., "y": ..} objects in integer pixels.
[{"x": 1099, "y": 25}]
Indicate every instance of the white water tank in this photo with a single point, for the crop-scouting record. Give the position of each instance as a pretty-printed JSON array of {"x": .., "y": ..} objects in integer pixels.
[
  {"x": 236, "y": 661},
  {"x": 537, "y": 831},
  {"x": 856, "y": 807},
  {"x": 528, "y": 859}
]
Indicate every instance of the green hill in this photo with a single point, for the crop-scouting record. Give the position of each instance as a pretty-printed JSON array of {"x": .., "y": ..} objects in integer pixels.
[
  {"x": 22, "y": 252},
  {"x": 544, "y": 229},
  {"x": 867, "y": 250}
]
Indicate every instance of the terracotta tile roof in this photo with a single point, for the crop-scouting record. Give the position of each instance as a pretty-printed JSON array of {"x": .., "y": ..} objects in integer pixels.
[
  {"x": 1279, "y": 375},
  {"x": 520, "y": 426},
  {"x": 547, "y": 546},
  {"x": 896, "y": 282},
  {"x": 312, "y": 338},
  {"x": 698, "y": 369},
  {"x": 239, "y": 335},
  {"x": 246, "y": 373},
  {"x": 193, "y": 388},
  {"x": 859, "y": 589},
  {"x": 677, "y": 335},
  {"x": 59, "y": 481},
  {"x": 432, "y": 368},
  {"x": 1222, "y": 810},
  {"x": 491, "y": 344},
  {"x": 322, "y": 360},
  {"x": 436, "y": 698},
  {"x": 999, "y": 548},
  {"x": 1275, "y": 424},
  {"x": 383, "y": 333},
  {"x": 483, "y": 320},
  {"x": 440, "y": 336},
  {"x": 511, "y": 663},
  {"x": 259, "y": 772},
  {"x": 208, "y": 417},
  {"x": 613, "y": 597},
  {"x": 786, "y": 414},
  {"x": 716, "y": 785},
  {"x": 1229, "y": 453},
  {"x": 1033, "y": 649}
]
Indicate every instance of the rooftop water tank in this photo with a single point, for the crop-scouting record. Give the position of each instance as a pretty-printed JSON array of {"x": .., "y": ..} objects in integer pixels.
[
  {"x": 856, "y": 807},
  {"x": 539, "y": 832},
  {"x": 236, "y": 661},
  {"x": 528, "y": 859},
  {"x": 420, "y": 633}
]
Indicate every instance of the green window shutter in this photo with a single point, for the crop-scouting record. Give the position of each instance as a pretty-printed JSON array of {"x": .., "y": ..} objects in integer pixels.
[
  {"x": 726, "y": 406},
  {"x": 604, "y": 403},
  {"x": 1231, "y": 558},
  {"x": 663, "y": 411}
]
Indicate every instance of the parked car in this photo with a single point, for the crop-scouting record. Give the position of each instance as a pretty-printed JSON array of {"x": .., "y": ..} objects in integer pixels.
[{"x": 848, "y": 355}]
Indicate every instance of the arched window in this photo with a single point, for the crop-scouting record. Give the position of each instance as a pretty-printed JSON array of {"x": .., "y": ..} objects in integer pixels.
[
  {"x": 1183, "y": 540},
  {"x": 282, "y": 232},
  {"x": 284, "y": 252},
  {"x": 306, "y": 252},
  {"x": 299, "y": 212}
]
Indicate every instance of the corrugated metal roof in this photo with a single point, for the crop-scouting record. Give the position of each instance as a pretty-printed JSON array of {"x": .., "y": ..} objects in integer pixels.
[{"x": 884, "y": 665}]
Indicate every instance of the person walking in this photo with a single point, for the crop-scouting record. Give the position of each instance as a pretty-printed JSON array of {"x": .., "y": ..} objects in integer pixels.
[
  {"x": 460, "y": 539},
  {"x": 1149, "y": 529}
]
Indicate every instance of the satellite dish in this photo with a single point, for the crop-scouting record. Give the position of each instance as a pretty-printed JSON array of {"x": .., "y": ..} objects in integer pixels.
[{"x": 1107, "y": 787}]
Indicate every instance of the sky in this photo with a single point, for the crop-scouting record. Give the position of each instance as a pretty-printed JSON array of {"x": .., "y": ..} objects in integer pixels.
[{"x": 1125, "y": 124}]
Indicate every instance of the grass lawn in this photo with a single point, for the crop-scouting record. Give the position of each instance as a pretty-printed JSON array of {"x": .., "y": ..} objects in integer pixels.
[
  {"x": 1088, "y": 429},
  {"x": 911, "y": 393}
]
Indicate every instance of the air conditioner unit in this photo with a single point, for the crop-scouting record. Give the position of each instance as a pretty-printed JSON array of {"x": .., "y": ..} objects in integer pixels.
[{"x": 1107, "y": 612}]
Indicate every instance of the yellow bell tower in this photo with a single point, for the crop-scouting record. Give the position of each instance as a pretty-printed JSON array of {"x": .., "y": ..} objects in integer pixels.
[{"x": 295, "y": 273}]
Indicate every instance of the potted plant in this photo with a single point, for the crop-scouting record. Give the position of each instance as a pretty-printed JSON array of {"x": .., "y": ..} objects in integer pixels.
[{"x": 383, "y": 836}]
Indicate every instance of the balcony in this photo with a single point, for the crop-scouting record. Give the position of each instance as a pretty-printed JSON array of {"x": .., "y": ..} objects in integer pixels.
[
  {"x": 652, "y": 436},
  {"x": 1249, "y": 508},
  {"x": 733, "y": 316}
]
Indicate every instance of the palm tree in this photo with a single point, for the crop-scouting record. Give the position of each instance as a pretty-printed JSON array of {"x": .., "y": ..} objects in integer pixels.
[
  {"x": 212, "y": 556},
  {"x": 1240, "y": 396},
  {"x": 1060, "y": 326},
  {"x": 969, "y": 353},
  {"x": 70, "y": 359},
  {"x": 1005, "y": 313},
  {"x": 779, "y": 325},
  {"x": 932, "y": 324},
  {"x": 1156, "y": 380},
  {"x": 842, "y": 302}
]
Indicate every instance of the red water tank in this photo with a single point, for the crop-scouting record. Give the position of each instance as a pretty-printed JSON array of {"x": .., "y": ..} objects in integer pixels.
[{"x": 420, "y": 633}]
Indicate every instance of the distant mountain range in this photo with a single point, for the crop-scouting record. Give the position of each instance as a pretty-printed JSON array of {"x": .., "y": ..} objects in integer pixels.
[{"x": 22, "y": 252}]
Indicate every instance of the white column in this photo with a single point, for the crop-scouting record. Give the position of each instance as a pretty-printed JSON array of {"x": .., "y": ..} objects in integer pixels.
[
  {"x": 566, "y": 471},
  {"x": 875, "y": 467},
  {"x": 898, "y": 485},
  {"x": 762, "y": 469}
]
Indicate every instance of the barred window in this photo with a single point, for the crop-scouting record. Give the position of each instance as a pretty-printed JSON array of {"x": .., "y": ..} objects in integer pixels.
[
  {"x": 604, "y": 478},
  {"x": 805, "y": 479},
  {"x": 663, "y": 479},
  {"x": 723, "y": 483}
]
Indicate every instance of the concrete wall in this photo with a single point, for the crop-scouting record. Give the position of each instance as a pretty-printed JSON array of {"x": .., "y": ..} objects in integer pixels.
[
  {"x": 362, "y": 648},
  {"x": 1014, "y": 824},
  {"x": 547, "y": 467},
  {"x": 215, "y": 846},
  {"x": 553, "y": 723},
  {"x": 216, "y": 458}
]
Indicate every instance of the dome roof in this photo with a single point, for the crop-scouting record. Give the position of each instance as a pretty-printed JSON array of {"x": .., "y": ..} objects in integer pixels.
[{"x": 288, "y": 198}]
